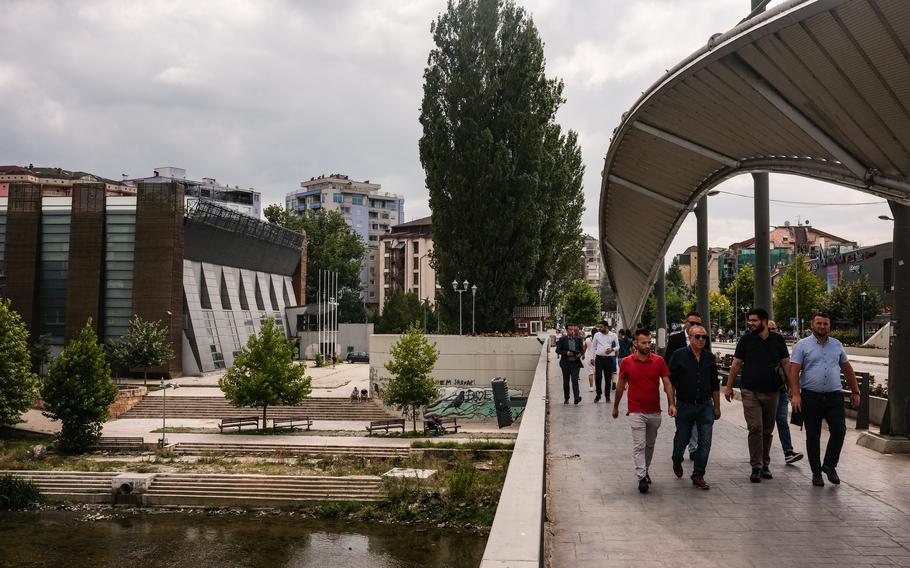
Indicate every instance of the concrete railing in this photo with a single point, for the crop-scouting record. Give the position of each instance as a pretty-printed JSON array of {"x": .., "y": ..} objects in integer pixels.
[{"x": 516, "y": 538}]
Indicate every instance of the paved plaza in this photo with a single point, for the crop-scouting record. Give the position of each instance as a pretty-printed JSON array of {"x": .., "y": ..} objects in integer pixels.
[{"x": 597, "y": 517}]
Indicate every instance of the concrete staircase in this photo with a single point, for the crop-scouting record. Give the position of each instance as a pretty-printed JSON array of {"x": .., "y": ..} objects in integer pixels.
[
  {"x": 209, "y": 448},
  {"x": 77, "y": 486},
  {"x": 215, "y": 407},
  {"x": 208, "y": 490}
]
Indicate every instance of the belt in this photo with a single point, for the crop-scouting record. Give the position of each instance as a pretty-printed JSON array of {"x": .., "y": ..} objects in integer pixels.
[
  {"x": 603, "y": 356},
  {"x": 838, "y": 392},
  {"x": 697, "y": 400}
]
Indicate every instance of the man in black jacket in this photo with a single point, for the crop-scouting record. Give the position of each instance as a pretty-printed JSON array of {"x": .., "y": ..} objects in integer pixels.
[
  {"x": 570, "y": 349},
  {"x": 680, "y": 340}
]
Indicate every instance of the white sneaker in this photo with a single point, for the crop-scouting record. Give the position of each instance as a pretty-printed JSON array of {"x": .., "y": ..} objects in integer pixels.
[{"x": 590, "y": 389}]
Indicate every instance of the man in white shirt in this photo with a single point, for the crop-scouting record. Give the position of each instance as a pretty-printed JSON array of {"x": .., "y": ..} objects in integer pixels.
[{"x": 603, "y": 348}]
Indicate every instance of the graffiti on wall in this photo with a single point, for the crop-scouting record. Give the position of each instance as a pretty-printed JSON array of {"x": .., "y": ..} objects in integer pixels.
[{"x": 469, "y": 402}]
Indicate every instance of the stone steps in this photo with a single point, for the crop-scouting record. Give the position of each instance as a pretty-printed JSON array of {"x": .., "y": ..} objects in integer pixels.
[
  {"x": 213, "y": 407},
  {"x": 259, "y": 490},
  {"x": 206, "y": 448},
  {"x": 78, "y": 486}
]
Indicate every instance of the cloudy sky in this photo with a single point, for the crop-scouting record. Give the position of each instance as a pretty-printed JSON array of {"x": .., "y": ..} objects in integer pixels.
[{"x": 267, "y": 93}]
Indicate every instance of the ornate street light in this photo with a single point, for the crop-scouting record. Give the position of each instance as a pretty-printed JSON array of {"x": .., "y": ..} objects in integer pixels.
[
  {"x": 460, "y": 292},
  {"x": 862, "y": 311},
  {"x": 473, "y": 303}
]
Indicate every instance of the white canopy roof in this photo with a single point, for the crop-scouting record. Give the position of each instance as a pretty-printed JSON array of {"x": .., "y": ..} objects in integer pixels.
[{"x": 818, "y": 88}]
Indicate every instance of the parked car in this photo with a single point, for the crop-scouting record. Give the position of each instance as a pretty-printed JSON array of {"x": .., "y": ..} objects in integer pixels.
[{"x": 358, "y": 357}]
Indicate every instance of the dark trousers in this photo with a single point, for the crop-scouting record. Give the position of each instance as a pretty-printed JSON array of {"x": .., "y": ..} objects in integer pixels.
[
  {"x": 689, "y": 417},
  {"x": 570, "y": 374},
  {"x": 603, "y": 372},
  {"x": 828, "y": 406},
  {"x": 760, "y": 411}
]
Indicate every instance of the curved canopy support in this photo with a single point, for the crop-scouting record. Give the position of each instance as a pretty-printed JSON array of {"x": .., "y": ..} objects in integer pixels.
[{"x": 816, "y": 88}]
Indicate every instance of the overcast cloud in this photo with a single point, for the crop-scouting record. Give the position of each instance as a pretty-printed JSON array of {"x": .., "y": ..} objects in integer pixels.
[{"x": 265, "y": 94}]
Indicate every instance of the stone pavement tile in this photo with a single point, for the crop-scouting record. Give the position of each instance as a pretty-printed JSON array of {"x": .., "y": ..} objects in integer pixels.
[{"x": 781, "y": 522}]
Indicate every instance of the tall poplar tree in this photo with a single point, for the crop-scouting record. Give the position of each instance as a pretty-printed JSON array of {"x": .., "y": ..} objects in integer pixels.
[{"x": 505, "y": 181}]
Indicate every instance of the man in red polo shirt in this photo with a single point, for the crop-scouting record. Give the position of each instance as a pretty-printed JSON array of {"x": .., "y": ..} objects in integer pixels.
[{"x": 643, "y": 372}]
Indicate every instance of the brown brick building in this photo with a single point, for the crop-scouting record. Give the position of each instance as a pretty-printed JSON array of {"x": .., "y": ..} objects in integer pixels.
[{"x": 214, "y": 275}]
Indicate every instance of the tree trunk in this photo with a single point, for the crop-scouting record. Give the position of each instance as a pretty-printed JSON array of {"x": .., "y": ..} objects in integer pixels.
[
  {"x": 414, "y": 418},
  {"x": 145, "y": 377},
  {"x": 263, "y": 416}
]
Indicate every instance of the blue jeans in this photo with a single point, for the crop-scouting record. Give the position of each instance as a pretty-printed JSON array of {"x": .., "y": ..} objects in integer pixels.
[
  {"x": 783, "y": 422},
  {"x": 689, "y": 417}
]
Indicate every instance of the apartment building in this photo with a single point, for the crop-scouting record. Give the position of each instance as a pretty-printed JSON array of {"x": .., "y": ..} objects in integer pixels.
[
  {"x": 247, "y": 201},
  {"x": 404, "y": 262},
  {"x": 369, "y": 211}
]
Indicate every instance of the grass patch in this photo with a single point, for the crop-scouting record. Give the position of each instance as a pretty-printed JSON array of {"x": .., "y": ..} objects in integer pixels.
[
  {"x": 17, "y": 493},
  {"x": 453, "y": 445}
]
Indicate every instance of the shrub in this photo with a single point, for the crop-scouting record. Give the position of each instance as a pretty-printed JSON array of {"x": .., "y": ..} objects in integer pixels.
[
  {"x": 847, "y": 337},
  {"x": 17, "y": 493},
  {"x": 461, "y": 480}
]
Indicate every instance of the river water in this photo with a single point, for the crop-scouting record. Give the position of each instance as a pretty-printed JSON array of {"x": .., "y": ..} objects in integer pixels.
[{"x": 124, "y": 538}]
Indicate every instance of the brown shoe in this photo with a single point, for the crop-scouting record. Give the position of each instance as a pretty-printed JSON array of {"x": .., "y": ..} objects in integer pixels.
[
  {"x": 677, "y": 469},
  {"x": 700, "y": 482}
]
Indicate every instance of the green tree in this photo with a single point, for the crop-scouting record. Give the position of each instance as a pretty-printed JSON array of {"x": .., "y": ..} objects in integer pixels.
[
  {"x": 78, "y": 391},
  {"x": 146, "y": 344},
  {"x": 351, "y": 308},
  {"x": 412, "y": 385},
  {"x": 18, "y": 384},
  {"x": 400, "y": 311},
  {"x": 504, "y": 180},
  {"x": 742, "y": 289},
  {"x": 812, "y": 292},
  {"x": 846, "y": 304},
  {"x": 721, "y": 311},
  {"x": 265, "y": 373},
  {"x": 40, "y": 353},
  {"x": 331, "y": 244},
  {"x": 581, "y": 304}
]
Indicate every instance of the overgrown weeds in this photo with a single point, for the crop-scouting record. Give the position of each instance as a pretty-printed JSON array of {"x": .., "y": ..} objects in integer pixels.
[{"x": 17, "y": 493}]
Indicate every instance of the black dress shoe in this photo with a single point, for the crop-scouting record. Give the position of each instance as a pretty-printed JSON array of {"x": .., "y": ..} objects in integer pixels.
[
  {"x": 766, "y": 473},
  {"x": 648, "y": 478},
  {"x": 597, "y": 398},
  {"x": 566, "y": 401},
  {"x": 756, "y": 475},
  {"x": 577, "y": 400},
  {"x": 677, "y": 469},
  {"x": 832, "y": 474},
  {"x": 642, "y": 485},
  {"x": 817, "y": 480}
]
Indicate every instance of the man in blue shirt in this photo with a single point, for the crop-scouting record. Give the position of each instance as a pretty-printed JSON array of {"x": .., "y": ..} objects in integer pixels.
[{"x": 815, "y": 367}]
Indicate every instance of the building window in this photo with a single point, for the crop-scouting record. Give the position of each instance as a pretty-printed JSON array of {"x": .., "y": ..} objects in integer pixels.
[
  {"x": 374, "y": 238},
  {"x": 374, "y": 215},
  {"x": 391, "y": 205},
  {"x": 346, "y": 210},
  {"x": 416, "y": 278},
  {"x": 337, "y": 198},
  {"x": 357, "y": 200},
  {"x": 385, "y": 215},
  {"x": 416, "y": 247}
]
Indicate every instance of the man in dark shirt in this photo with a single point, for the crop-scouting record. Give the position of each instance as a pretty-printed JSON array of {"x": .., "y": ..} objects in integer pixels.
[
  {"x": 570, "y": 349},
  {"x": 693, "y": 373},
  {"x": 757, "y": 354}
]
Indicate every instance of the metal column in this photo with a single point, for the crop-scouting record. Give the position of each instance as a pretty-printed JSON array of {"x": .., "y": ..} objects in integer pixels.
[
  {"x": 661, "y": 293},
  {"x": 899, "y": 351},
  {"x": 762, "y": 244},
  {"x": 702, "y": 304}
]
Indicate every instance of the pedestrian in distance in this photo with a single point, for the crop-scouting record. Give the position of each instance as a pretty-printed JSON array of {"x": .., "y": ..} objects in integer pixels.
[
  {"x": 693, "y": 374},
  {"x": 570, "y": 349},
  {"x": 783, "y": 416},
  {"x": 603, "y": 350},
  {"x": 588, "y": 364},
  {"x": 643, "y": 372},
  {"x": 679, "y": 340},
  {"x": 625, "y": 344},
  {"x": 815, "y": 386},
  {"x": 763, "y": 358}
]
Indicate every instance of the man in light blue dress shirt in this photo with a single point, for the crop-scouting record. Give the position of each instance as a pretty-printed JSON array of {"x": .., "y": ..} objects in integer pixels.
[{"x": 816, "y": 364}]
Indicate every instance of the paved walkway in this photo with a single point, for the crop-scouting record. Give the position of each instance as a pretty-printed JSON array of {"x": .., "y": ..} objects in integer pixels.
[{"x": 598, "y": 518}]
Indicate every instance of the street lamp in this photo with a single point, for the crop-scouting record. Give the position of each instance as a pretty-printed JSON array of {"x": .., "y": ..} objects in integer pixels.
[
  {"x": 862, "y": 311},
  {"x": 473, "y": 302},
  {"x": 744, "y": 309},
  {"x": 460, "y": 292},
  {"x": 162, "y": 441},
  {"x": 420, "y": 289}
]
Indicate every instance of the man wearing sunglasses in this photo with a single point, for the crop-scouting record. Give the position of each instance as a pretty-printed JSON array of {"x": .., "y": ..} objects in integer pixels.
[
  {"x": 757, "y": 354},
  {"x": 693, "y": 374},
  {"x": 783, "y": 418},
  {"x": 680, "y": 340}
]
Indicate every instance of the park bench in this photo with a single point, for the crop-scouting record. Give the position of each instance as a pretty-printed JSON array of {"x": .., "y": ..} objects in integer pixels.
[
  {"x": 292, "y": 422},
  {"x": 385, "y": 425},
  {"x": 239, "y": 422},
  {"x": 450, "y": 423},
  {"x": 121, "y": 443}
]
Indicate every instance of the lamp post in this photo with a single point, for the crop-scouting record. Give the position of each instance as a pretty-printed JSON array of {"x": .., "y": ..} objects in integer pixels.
[
  {"x": 862, "y": 311},
  {"x": 460, "y": 292},
  {"x": 473, "y": 303},
  {"x": 744, "y": 309},
  {"x": 420, "y": 289}
]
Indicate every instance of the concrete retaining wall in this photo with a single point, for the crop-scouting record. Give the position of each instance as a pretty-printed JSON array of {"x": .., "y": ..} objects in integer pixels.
[
  {"x": 464, "y": 370},
  {"x": 355, "y": 336},
  {"x": 516, "y": 538}
]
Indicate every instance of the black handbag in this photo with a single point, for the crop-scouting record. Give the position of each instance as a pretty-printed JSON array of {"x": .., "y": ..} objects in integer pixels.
[{"x": 796, "y": 418}]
